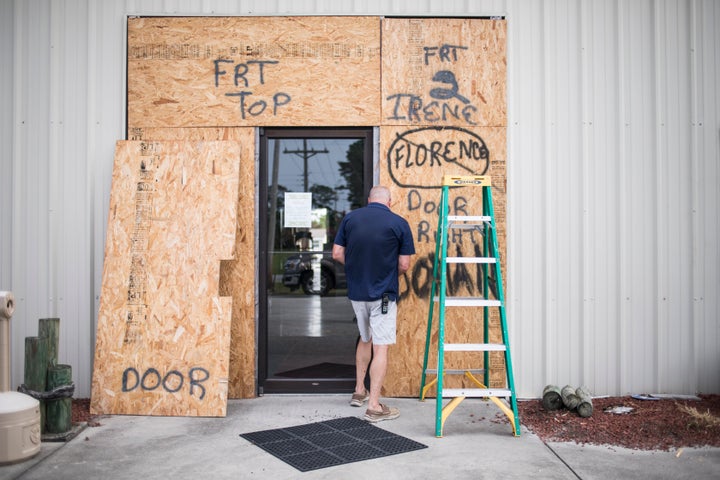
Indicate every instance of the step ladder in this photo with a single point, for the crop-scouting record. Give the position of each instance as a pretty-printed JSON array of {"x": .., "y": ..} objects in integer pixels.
[{"x": 504, "y": 398}]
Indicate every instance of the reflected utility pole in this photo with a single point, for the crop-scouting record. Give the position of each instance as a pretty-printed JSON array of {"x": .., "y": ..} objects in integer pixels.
[{"x": 305, "y": 154}]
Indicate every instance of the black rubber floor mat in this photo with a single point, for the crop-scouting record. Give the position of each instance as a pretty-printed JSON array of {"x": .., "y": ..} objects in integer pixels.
[{"x": 332, "y": 442}]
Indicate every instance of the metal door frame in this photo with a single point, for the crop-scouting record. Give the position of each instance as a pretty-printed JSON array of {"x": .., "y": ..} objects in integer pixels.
[{"x": 265, "y": 385}]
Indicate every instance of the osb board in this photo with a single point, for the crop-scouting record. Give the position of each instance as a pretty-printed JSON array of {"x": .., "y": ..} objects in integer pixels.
[
  {"x": 234, "y": 279},
  {"x": 413, "y": 162},
  {"x": 163, "y": 330},
  {"x": 253, "y": 71},
  {"x": 421, "y": 60},
  {"x": 246, "y": 136},
  {"x": 444, "y": 71}
]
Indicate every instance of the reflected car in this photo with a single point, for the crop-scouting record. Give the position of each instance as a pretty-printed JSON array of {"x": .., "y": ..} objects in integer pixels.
[{"x": 299, "y": 272}]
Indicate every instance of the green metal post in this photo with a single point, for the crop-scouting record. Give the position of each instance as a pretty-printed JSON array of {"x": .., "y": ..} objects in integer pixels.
[
  {"x": 442, "y": 237},
  {"x": 505, "y": 337},
  {"x": 486, "y": 292}
]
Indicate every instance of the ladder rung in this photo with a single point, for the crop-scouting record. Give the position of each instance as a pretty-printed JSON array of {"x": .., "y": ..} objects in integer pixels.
[
  {"x": 471, "y": 260},
  {"x": 475, "y": 347},
  {"x": 470, "y": 302},
  {"x": 468, "y": 218},
  {"x": 477, "y": 371},
  {"x": 476, "y": 392},
  {"x": 467, "y": 226}
]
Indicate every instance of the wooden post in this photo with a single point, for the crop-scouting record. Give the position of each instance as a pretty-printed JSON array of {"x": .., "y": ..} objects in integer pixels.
[
  {"x": 59, "y": 411},
  {"x": 569, "y": 398},
  {"x": 50, "y": 328},
  {"x": 36, "y": 370},
  {"x": 552, "y": 399},
  {"x": 49, "y": 332},
  {"x": 585, "y": 406}
]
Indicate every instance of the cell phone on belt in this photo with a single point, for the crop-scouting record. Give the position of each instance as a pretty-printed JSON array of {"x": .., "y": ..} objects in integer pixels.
[{"x": 384, "y": 304}]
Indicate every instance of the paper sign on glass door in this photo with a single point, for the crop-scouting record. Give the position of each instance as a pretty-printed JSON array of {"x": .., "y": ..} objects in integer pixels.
[{"x": 298, "y": 208}]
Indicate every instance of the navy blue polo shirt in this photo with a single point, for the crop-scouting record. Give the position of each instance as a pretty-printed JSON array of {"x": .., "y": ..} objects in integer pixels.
[{"x": 373, "y": 237}]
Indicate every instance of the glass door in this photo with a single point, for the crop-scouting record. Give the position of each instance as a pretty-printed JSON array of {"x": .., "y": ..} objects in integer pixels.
[{"x": 309, "y": 179}]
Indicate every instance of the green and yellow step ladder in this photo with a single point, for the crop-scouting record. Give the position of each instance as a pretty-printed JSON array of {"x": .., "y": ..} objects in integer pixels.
[{"x": 489, "y": 259}]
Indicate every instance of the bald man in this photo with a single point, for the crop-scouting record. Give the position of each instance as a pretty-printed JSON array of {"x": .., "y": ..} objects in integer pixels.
[{"x": 375, "y": 246}]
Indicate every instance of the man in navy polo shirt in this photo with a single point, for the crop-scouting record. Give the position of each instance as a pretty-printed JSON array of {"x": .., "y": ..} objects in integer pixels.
[{"x": 375, "y": 245}]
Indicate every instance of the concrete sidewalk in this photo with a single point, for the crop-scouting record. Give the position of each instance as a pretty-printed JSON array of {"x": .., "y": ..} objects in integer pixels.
[{"x": 477, "y": 443}]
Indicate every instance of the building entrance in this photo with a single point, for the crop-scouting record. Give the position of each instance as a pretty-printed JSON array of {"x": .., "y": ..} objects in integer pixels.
[{"x": 309, "y": 180}]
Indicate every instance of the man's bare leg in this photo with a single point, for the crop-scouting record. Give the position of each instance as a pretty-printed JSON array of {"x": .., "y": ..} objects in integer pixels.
[
  {"x": 363, "y": 354},
  {"x": 378, "y": 368}
]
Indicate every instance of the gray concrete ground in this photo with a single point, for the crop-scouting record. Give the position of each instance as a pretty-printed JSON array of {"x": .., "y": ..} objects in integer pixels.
[{"x": 477, "y": 444}]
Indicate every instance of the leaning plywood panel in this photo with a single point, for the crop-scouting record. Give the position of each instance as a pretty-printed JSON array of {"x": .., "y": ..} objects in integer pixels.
[
  {"x": 444, "y": 71},
  {"x": 234, "y": 280},
  {"x": 163, "y": 332},
  {"x": 253, "y": 71}
]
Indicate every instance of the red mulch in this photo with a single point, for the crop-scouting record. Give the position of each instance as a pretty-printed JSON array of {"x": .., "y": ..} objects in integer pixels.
[
  {"x": 81, "y": 412},
  {"x": 651, "y": 425}
]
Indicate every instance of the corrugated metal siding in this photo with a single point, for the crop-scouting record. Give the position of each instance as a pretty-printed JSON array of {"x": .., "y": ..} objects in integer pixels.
[
  {"x": 705, "y": 154},
  {"x": 613, "y": 157},
  {"x": 613, "y": 179},
  {"x": 67, "y": 96},
  {"x": 317, "y": 7},
  {"x": 6, "y": 146},
  {"x": 31, "y": 265}
]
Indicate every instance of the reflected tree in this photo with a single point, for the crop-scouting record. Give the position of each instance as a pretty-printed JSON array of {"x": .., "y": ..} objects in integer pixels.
[
  {"x": 323, "y": 197},
  {"x": 352, "y": 171},
  {"x": 279, "y": 241}
]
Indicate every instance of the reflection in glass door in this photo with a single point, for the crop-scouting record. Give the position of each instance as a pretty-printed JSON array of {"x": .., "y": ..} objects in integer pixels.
[{"x": 308, "y": 334}]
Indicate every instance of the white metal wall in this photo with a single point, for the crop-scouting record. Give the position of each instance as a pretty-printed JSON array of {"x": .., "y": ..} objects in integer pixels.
[
  {"x": 613, "y": 203},
  {"x": 613, "y": 264}
]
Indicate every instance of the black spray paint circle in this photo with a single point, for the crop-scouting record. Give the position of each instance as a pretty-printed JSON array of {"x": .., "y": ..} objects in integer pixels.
[{"x": 473, "y": 147}]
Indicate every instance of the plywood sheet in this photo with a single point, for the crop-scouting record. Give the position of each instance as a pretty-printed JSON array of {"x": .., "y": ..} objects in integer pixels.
[
  {"x": 245, "y": 71},
  {"x": 234, "y": 280},
  {"x": 441, "y": 108},
  {"x": 163, "y": 331},
  {"x": 444, "y": 71},
  {"x": 443, "y": 112},
  {"x": 413, "y": 162}
]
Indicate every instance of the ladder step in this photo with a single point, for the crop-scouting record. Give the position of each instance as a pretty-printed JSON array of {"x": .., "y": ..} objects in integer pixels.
[
  {"x": 468, "y": 226},
  {"x": 469, "y": 302},
  {"x": 476, "y": 392},
  {"x": 449, "y": 371},
  {"x": 471, "y": 260},
  {"x": 475, "y": 347},
  {"x": 468, "y": 218}
]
